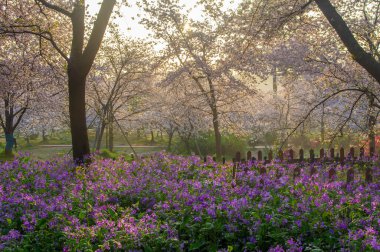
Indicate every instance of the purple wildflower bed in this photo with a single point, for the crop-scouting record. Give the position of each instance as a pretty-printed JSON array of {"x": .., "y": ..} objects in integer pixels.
[{"x": 174, "y": 203}]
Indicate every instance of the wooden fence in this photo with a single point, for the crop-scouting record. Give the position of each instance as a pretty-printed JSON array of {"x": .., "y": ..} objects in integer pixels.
[
  {"x": 324, "y": 159},
  {"x": 324, "y": 156}
]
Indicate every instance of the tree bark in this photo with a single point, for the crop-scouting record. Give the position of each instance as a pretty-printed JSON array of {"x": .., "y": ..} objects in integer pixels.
[
  {"x": 77, "y": 108},
  {"x": 152, "y": 137},
  {"x": 110, "y": 135},
  {"x": 170, "y": 135},
  {"x": 365, "y": 59},
  {"x": 218, "y": 136},
  {"x": 100, "y": 136},
  {"x": 371, "y": 127},
  {"x": 79, "y": 65}
]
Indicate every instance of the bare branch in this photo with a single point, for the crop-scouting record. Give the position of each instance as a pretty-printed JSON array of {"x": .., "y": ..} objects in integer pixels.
[{"x": 54, "y": 7}]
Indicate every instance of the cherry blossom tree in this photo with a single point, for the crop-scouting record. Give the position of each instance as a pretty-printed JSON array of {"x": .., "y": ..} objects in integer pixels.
[
  {"x": 25, "y": 81},
  {"x": 200, "y": 58},
  {"x": 120, "y": 83},
  {"x": 49, "y": 21}
]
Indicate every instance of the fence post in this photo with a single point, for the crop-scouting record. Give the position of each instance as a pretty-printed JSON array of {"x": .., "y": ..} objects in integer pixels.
[
  {"x": 260, "y": 155},
  {"x": 311, "y": 155},
  {"x": 270, "y": 155},
  {"x": 296, "y": 172},
  {"x": 262, "y": 170},
  {"x": 368, "y": 175},
  {"x": 249, "y": 155},
  {"x": 234, "y": 171},
  {"x": 371, "y": 152},
  {"x": 321, "y": 154},
  {"x": 313, "y": 170},
  {"x": 352, "y": 153},
  {"x": 362, "y": 153},
  {"x": 291, "y": 154},
  {"x": 301, "y": 154},
  {"x": 332, "y": 154},
  {"x": 332, "y": 174},
  {"x": 350, "y": 175},
  {"x": 341, "y": 155}
]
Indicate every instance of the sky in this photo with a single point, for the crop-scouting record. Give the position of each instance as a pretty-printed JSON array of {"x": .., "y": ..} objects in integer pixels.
[
  {"x": 129, "y": 22},
  {"x": 130, "y": 27}
]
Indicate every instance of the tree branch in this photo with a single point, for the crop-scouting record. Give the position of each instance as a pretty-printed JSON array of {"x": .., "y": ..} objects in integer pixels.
[
  {"x": 366, "y": 60},
  {"x": 54, "y": 7},
  {"x": 97, "y": 33}
]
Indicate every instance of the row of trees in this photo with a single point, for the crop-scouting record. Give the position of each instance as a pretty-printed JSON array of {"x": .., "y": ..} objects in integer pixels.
[{"x": 208, "y": 74}]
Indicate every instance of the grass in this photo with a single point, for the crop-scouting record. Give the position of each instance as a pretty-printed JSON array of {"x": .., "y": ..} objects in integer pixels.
[{"x": 37, "y": 149}]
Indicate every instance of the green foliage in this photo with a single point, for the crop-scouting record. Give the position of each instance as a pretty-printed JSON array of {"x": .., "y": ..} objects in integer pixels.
[
  {"x": 4, "y": 157},
  {"x": 109, "y": 154},
  {"x": 205, "y": 144}
]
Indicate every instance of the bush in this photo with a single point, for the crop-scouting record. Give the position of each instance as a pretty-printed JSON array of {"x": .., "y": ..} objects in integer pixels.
[
  {"x": 4, "y": 157},
  {"x": 105, "y": 153},
  {"x": 206, "y": 144}
]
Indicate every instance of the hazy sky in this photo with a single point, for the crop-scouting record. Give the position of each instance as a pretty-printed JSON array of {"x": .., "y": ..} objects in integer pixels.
[{"x": 129, "y": 23}]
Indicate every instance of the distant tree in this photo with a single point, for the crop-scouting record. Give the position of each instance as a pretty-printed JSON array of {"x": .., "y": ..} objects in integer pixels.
[
  {"x": 25, "y": 79},
  {"x": 202, "y": 59}
]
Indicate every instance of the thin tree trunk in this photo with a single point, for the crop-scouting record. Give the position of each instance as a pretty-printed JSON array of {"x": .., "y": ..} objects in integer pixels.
[
  {"x": 218, "y": 136},
  {"x": 110, "y": 135},
  {"x": 44, "y": 137},
  {"x": 152, "y": 136},
  {"x": 100, "y": 137},
  {"x": 170, "y": 135},
  {"x": 371, "y": 127},
  {"x": 323, "y": 124}
]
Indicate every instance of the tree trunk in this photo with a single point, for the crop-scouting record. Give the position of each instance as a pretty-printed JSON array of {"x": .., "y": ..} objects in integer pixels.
[
  {"x": 110, "y": 135},
  {"x": 152, "y": 137},
  {"x": 372, "y": 135},
  {"x": 138, "y": 134},
  {"x": 9, "y": 138},
  {"x": 44, "y": 138},
  {"x": 371, "y": 127},
  {"x": 218, "y": 136},
  {"x": 323, "y": 124},
  {"x": 100, "y": 136},
  {"x": 170, "y": 135},
  {"x": 77, "y": 108}
]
